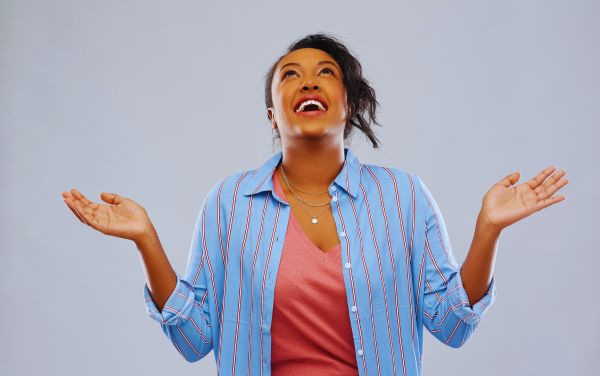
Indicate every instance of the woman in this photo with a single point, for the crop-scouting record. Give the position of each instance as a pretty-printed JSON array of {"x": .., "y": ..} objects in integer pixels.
[{"x": 315, "y": 262}]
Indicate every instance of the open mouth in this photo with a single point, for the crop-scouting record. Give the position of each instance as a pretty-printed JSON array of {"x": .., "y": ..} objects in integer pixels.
[{"x": 311, "y": 107}]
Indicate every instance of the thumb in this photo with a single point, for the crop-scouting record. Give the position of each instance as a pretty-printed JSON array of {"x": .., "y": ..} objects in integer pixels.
[
  {"x": 111, "y": 198},
  {"x": 510, "y": 179}
]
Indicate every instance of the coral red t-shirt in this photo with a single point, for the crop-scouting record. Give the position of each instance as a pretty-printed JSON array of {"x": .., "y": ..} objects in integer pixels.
[{"x": 310, "y": 330}]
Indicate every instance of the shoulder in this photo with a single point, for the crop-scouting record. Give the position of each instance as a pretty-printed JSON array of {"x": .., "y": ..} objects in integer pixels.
[
  {"x": 230, "y": 187},
  {"x": 402, "y": 183},
  {"x": 396, "y": 176}
]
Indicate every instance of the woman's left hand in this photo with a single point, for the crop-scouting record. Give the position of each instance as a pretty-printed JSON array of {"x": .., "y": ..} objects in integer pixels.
[{"x": 505, "y": 204}]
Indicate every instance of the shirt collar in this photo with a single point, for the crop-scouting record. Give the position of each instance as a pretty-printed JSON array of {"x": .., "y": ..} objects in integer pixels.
[{"x": 348, "y": 179}]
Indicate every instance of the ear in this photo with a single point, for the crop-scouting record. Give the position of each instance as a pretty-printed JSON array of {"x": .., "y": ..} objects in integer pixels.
[
  {"x": 349, "y": 110},
  {"x": 271, "y": 116}
]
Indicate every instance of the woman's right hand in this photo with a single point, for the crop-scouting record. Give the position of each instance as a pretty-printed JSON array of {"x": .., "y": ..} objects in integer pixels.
[{"x": 123, "y": 218}]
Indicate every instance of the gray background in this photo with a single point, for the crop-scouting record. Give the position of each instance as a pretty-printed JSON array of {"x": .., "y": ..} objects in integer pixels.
[{"x": 157, "y": 101}]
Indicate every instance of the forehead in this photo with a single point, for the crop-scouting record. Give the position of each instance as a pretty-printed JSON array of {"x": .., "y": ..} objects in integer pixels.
[{"x": 306, "y": 57}]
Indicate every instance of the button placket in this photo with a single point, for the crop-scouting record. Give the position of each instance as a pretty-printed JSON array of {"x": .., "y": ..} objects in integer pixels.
[{"x": 334, "y": 199}]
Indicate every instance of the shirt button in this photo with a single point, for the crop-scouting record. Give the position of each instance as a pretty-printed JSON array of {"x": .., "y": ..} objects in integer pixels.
[
  {"x": 360, "y": 352},
  {"x": 334, "y": 199},
  {"x": 342, "y": 234},
  {"x": 332, "y": 188},
  {"x": 347, "y": 265},
  {"x": 353, "y": 308}
]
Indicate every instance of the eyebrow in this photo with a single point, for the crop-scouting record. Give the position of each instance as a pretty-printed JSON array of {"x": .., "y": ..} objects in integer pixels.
[{"x": 320, "y": 63}]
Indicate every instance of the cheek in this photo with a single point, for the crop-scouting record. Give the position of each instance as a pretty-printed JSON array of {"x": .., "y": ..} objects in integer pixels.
[
  {"x": 342, "y": 101},
  {"x": 282, "y": 100},
  {"x": 279, "y": 106}
]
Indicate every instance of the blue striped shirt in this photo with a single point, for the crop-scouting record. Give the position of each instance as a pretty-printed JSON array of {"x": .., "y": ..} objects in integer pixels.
[{"x": 399, "y": 271}]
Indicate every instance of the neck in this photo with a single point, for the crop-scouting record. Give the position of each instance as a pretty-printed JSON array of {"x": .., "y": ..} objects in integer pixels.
[{"x": 312, "y": 168}]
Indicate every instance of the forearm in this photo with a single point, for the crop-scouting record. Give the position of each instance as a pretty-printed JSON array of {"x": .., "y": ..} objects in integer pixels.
[
  {"x": 477, "y": 269},
  {"x": 159, "y": 273}
]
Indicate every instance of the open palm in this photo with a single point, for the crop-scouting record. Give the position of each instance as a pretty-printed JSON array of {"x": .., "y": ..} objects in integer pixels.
[
  {"x": 121, "y": 217},
  {"x": 505, "y": 204}
]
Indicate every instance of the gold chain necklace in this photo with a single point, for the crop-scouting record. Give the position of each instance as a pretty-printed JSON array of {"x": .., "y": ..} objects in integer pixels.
[
  {"x": 289, "y": 184},
  {"x": 298, "y": 189},
  {"x": 314, "y": 218}
]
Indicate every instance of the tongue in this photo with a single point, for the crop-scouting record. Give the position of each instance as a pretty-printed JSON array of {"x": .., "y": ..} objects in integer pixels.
[{"x": 311, "y": 107}]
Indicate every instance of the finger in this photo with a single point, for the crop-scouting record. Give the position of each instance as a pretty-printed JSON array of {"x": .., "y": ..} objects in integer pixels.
[
  {"x": 551, "y": 201},
  {"x": 80, "y": 197},
  {"x": 553, "y": 188},
  {"x": 510, "y": 179},
  {"x": 539, "y": 178},
  {"x": 78, "y": 207},
  {"x": 550, "y": 181},
  {"x": 70, "y": 206},
  {"x": 110, "y": 198},
  {"x": 88, "y": 215}
]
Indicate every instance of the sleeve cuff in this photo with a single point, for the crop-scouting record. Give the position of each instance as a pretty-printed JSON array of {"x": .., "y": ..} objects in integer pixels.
[
  {"x": 177, "y": 308},
  {"x": 459, "y": 300}
]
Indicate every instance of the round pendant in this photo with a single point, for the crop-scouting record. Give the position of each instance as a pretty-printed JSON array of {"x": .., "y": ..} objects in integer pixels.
[{"x": 314, "y": 220}]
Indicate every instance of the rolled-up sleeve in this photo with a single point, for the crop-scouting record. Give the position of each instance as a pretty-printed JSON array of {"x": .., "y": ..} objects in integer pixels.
[
  {"x": 177, "y": 308},
  {"x": 460, "y": 301},
  {"x": 447, "y": 313}
]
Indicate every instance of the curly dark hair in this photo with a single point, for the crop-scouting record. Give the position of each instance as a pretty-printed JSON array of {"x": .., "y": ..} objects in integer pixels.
[{"x": 362, "y": 103}]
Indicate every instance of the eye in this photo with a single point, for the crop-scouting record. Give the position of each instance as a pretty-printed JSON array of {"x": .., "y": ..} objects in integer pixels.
[
  {"x": 328, "y": 70},
  {"x": 287, "y": 72}
]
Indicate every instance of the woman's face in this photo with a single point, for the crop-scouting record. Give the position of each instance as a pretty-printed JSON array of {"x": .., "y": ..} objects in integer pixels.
[{"x": 308, "y": 72}]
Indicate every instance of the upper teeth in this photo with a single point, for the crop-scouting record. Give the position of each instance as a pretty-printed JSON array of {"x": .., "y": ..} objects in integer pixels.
[{"x": 310, "y": 101}]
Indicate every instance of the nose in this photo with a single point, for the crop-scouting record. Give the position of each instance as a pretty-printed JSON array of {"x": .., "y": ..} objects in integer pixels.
[{"x": 305, "y": 87}]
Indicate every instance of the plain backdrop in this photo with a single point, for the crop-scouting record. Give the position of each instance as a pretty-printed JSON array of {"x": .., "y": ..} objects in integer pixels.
[{"x": 157, "y": 101}]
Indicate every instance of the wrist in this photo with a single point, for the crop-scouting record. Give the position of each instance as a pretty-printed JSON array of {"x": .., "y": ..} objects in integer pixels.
[
  {"x": 147, "y": 237},
  {"x": 486, "y": 226}
]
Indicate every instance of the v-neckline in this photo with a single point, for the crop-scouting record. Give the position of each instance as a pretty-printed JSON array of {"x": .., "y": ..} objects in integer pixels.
[
  {"x": 298, "y": 227},
  {"x": 309, "y": 243}
]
